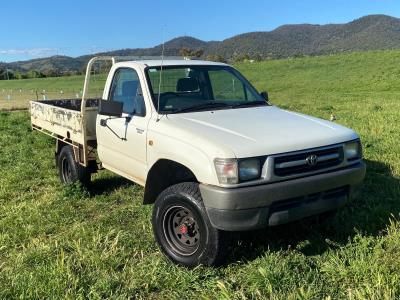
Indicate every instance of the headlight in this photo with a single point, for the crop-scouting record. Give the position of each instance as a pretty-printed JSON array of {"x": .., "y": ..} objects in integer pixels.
[
  {"x": 352, "y": 150},
  {"x": 229, "y": 171},
  {"x": 249, "y": 169}
]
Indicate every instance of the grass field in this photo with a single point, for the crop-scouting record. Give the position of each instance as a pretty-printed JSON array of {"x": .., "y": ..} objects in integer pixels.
[{"x": 72, "y": 242}]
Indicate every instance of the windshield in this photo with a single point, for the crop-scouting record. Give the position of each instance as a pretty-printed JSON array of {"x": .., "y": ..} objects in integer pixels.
[{"x": 195, "y": 88}]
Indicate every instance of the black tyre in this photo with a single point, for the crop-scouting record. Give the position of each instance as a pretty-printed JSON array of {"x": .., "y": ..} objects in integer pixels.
[
  {"x": 182, "y": 228},
  {"x": 69, "y": 170}
]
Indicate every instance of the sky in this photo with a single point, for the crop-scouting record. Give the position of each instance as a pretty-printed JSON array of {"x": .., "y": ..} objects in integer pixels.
[{"x": 40, "y": 28}]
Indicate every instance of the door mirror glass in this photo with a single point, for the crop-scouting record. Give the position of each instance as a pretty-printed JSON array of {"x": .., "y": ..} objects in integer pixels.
[
  {"x": 264, "y": 95},
  {"x": 110, "y": 108}
]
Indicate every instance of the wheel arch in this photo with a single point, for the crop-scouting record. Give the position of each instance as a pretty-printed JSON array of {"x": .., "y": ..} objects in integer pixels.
[{"x": 163, "y": 174}]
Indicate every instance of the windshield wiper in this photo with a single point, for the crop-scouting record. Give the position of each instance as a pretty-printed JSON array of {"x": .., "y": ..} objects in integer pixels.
[
  {"x": 250, "y": 103},
  {"x": 201, "y": 106}
]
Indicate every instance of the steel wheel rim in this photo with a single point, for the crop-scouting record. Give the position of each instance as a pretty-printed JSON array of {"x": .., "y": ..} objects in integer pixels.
[
  {"x": 181, "y": 230},
  {"x": 66, "y": 170}
]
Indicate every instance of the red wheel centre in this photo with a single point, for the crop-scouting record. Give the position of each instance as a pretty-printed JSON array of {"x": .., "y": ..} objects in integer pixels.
[{"x": 183, "y": 229}]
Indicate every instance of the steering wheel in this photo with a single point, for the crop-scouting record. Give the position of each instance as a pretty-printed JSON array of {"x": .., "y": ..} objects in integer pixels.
[
  {"x": 169, "y": 94},
  {"x": 165, "y": 96}
]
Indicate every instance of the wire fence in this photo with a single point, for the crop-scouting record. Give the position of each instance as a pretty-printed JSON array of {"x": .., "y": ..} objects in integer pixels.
[
  {"x": 16, "y": 94},
  {"x": 19, "y": 98}
]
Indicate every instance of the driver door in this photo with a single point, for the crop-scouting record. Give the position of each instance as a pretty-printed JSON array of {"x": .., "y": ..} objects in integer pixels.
[{"x": 122, "y": 143}]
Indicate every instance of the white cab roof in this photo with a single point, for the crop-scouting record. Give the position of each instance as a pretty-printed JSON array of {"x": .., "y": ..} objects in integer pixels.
[{"x": 175, "y": 62}]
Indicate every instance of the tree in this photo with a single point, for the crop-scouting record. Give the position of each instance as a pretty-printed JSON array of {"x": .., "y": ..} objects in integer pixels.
[
  {"x": 17, "y": 75},
  {"x": 215, "y": 57},
  {"x": 242, "y": 57},
  {"x": 6, "y": 74},
  {"x": 185, "y": 52},
  {"x": 197, "y": 53},
  {"x": 51, "y": 72},
  {"x": 33, "y": 74},
  {"x": 258, "y": 57}
]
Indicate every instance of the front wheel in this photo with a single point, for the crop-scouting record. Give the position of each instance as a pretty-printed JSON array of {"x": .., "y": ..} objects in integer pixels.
[
  {"x": 182, "y": 228},
  {"x": 69, "y": 170}
]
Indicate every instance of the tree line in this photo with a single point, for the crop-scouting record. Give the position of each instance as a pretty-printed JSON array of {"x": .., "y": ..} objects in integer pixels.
[
  {"x": 237, "y": 57},
  {"x": 9, "y": 74}
]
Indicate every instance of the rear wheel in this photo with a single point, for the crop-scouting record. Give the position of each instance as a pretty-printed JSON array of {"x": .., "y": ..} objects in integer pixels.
[
  {"x": 69, "y": 170},
  {"x": 182, "y": 228}
]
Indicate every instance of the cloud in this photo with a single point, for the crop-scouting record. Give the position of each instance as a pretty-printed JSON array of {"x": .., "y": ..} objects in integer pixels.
[{"x": 35, "y": 52}]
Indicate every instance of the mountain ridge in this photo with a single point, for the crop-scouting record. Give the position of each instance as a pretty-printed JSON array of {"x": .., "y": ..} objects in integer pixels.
[{"x": 372, "y": 32}]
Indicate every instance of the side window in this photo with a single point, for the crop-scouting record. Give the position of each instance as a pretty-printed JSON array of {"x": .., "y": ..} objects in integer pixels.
[
  {"x": 227, "y": 86},
  {"x": 126, "y": 88}
]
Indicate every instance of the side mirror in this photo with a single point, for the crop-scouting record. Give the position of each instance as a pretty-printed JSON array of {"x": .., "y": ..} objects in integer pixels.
[
  {"x": 264, "y": 95},
  {"x": 110, "y": 108}
]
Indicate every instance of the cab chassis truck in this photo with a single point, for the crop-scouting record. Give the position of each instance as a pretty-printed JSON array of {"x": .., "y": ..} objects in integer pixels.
[{"x": 213, "y": 154}]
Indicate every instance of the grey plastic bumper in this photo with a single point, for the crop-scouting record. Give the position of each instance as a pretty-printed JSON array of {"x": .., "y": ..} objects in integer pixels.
[{"x": 277, "y": 203}]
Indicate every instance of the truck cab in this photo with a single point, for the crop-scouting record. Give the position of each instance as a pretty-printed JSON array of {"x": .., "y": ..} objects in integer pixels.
[{"x": 213, "y": 154}]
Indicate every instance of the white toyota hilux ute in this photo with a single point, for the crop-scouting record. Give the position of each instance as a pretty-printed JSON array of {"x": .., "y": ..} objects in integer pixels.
[{"x": 213, "y": 154}]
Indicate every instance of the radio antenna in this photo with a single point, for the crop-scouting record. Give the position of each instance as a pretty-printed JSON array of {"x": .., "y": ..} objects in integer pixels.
[{"x": 159, "y": 81}]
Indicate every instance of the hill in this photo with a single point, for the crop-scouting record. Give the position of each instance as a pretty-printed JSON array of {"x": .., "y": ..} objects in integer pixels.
[{"x": 374, "y": 32}]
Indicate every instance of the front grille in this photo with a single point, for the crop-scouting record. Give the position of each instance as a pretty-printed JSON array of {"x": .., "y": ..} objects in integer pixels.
[{"x": 295, "y": 164}]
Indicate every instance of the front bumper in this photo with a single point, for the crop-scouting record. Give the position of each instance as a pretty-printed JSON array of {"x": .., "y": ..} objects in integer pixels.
[{"x": 254, "y": 207}]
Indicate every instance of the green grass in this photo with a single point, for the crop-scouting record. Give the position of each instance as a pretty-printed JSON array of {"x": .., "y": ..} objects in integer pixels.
[{"x": 58, "y": 241}]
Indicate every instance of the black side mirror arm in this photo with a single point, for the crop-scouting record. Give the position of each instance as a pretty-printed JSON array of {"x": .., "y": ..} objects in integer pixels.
[{"x": 103, "y": 123}]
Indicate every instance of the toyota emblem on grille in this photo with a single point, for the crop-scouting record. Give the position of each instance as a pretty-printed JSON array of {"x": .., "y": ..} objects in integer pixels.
[{"x": 312, "y": 160}]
